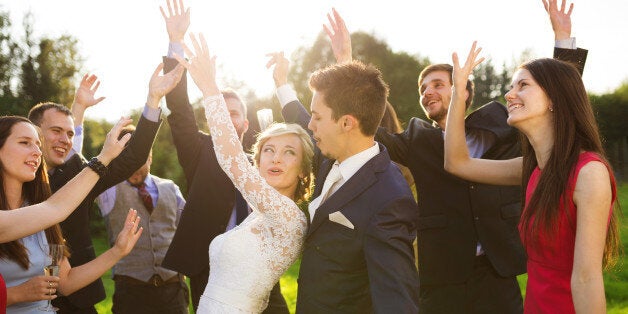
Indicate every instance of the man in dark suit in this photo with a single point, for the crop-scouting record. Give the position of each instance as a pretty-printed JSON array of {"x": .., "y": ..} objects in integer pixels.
[
  {"x": 358, "y": 255},
  {"x": 468, "y": 243},
  {"x": 57, "y": 128},
  {"x": 213, "y": 204}
]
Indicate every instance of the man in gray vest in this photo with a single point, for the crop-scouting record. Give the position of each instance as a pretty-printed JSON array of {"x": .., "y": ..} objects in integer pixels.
[{"x": 141, "y": 284}]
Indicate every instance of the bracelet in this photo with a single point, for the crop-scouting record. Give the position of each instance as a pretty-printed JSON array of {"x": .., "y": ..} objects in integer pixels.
[{"x": 97, "y": 166}]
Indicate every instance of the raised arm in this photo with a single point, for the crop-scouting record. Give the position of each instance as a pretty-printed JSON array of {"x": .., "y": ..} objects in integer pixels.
[
  {"x": 565, "y": 47},
  {"x": 83, "y": 99},
  {"x": 21, "y": 222},
  {"x": 339, "y": 36},
  {"x": 188, "y": 139},
  {"x": 136, "y": 152},
  {"x": 457, "y": 158},
  {"x": 72, "y": 279},
  {"x": 229, "y": 152}
]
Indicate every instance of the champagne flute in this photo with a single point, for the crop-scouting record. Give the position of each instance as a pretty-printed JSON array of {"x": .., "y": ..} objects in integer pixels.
[
  {"x": 265, "y": 118},
  {"x": 55, "y": 252}
]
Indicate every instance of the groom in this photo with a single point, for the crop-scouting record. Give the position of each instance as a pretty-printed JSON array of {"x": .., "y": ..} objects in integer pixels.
[{"x": 358, "y": 255}]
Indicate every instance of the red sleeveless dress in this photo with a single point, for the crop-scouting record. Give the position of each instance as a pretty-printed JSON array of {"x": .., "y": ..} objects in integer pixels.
[
  {"x": 3, "y": 296},
  {"x": 550, "y": 261}
]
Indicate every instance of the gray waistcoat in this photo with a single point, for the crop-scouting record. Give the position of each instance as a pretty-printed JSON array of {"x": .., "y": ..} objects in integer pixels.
[{"x": 145, "y": 259}]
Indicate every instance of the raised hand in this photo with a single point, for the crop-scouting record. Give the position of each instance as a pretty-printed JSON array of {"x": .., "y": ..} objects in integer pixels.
[
  {"x": 461, "y": 74},
  {"x": 84, "y": 97},
  {"x": 87, "y": 89},
  {"x": 201, "y": 65},
  {"x": 129, "y": 235},
  {"x": 561, "y": 20},
  {"x": 177, "y": 20},
  {"x": 339, "y": 36},
  {"x": 160, "y": 85},
  {"x": 282, "y": 66},
  {"x": 113, "y": 147}
]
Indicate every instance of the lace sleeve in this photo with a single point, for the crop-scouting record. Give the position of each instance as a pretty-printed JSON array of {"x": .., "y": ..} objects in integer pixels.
[{"x": 236, "y": 165}]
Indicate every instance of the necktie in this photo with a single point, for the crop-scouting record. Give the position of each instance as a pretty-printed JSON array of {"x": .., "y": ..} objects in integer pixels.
[
  {"x": 332, "y": 178},
  {"x": 145, "y": 196}
]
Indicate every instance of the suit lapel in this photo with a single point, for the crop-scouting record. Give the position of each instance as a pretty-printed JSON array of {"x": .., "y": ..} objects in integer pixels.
[{"x": 360, "y": 181}]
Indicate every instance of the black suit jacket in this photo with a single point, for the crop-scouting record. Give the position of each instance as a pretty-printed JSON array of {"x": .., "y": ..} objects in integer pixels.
[
  {"x": 76, "y": 227},
  {"x": 455, "y": 214},
  {"x": 369, "y": 268},
  {"x": 211, "y": 195}
]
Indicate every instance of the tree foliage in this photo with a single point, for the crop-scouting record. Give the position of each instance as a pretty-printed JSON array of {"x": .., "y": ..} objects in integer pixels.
[{"x": 34, "y": 70}]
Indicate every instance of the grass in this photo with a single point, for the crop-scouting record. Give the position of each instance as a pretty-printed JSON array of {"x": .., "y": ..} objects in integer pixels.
[{"x": 615, "y": 281}]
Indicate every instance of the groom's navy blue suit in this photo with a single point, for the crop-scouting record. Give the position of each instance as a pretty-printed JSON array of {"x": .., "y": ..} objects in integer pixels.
[{"x": 369, "y": 268}]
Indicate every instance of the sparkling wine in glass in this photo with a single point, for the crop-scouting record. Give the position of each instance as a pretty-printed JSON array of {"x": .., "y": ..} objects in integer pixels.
[
  {"x": 55, "y": 252},
  {"x": 265, "y": 118}
]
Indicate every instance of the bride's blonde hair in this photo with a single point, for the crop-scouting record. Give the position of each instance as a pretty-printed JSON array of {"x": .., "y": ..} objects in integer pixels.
[{"x": 304, "y": 186}]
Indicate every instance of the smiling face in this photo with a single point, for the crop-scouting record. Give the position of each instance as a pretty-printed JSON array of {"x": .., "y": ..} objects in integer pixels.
[
  {"x": 527, "y": 102},
  {"x": 58, "y": 130},
  {"x": 21, "y": 154},
  {"x": 280, "y": 162},
  {"x": 435, "y": 90},
  {"x": 327, "y": 132}
]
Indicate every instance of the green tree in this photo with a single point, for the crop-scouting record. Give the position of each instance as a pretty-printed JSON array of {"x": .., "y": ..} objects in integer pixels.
[
  {"x": 34, "y": 70},
  {"x": 611, "y": 112}
]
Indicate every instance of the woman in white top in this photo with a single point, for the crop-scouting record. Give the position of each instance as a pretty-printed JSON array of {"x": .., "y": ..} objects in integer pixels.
[{"x": 247, "y": 261}]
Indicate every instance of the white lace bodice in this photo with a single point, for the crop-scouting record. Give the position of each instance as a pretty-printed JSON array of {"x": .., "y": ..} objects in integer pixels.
[{"x": 247, "y": 261}]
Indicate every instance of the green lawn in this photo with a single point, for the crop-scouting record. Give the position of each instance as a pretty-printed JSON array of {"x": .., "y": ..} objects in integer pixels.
[{"x": 615, "y": 282}]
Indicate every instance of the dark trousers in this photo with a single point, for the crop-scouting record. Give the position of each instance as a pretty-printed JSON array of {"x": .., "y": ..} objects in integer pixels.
[
  {"x": 485, "y": 292},
  {"x": 133, "y": 297},
  {"x": 66, "y": 307},
  {"x": 276, "y": 302}
]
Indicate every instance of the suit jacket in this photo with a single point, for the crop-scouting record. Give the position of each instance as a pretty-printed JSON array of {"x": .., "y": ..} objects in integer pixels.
[
  {"x": 76, "y": 227},
  {"x": 369, "y": 268},
  {"x": 211, "y": 195},
  {"x": 455, "y": 214}
]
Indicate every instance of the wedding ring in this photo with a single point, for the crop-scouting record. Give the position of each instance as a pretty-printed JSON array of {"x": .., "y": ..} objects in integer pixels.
[{"x": 50, "y": 284}]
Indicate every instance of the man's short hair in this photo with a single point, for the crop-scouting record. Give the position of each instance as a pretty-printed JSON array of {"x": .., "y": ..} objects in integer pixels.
[
  {"x": 449, "y": 69},
  {"x": 353, "y": 89},
  {"x": 36, "y": 114},
  {"x": 230, "y": 93}
]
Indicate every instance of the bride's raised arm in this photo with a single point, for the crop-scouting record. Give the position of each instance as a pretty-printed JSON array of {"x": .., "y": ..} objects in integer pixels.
[
  {"x": 457, "y": 158},
  {"x": 229, "y": 151}
]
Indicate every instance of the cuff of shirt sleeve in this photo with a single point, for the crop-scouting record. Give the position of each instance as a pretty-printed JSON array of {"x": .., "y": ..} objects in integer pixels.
[
  {"x": 151, "y": 114},
  {"x": 286, "y": 94},
  {"x": 78, "y": 130},
  {"x": 175, "y": 48},
  {"x": 569, "y": 43}
]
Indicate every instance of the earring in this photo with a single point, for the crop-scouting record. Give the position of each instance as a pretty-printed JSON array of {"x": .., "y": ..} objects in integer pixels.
[{"x": 551, "y": 109}]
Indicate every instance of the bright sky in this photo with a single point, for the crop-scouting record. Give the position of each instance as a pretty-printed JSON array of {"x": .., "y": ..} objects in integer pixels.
[{"x": 123, "y": 41}]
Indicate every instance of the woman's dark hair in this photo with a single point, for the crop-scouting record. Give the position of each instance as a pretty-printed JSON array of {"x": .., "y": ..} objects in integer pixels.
[
  {"x": 575, "y": 130},
  {"x": 33, "y": 192}
]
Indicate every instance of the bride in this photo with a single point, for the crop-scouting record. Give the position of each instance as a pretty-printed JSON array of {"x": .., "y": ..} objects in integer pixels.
[{"x": 248, "y": 260}]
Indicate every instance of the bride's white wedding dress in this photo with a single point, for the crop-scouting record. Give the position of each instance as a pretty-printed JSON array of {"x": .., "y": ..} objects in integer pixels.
[{"x": 247, "y": 261}]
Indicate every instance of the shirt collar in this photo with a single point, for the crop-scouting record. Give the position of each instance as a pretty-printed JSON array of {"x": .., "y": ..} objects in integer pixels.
[{"x": 352, "y": 164}]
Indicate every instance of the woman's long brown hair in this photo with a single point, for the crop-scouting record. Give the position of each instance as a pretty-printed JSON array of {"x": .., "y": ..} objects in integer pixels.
[
  {"x": 575, "y": 130},
  {"x": 33, "y": 192}
]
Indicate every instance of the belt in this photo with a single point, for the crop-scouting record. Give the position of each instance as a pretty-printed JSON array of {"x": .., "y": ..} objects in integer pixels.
[{"x": 155, "y": 280}]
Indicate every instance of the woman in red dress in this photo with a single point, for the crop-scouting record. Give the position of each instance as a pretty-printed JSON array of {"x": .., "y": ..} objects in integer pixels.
[{"x": 568, "y": 225}]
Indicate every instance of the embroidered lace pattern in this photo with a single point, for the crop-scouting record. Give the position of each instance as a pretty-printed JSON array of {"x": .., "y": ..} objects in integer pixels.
[{"x": 247, "y": 261}]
